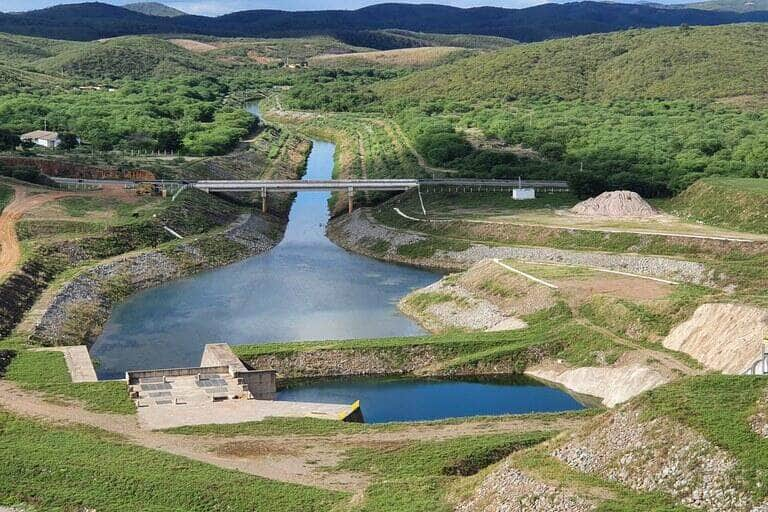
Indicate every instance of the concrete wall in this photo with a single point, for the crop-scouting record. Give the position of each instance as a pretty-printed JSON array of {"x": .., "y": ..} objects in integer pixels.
[{"x": 261, "y": 383}]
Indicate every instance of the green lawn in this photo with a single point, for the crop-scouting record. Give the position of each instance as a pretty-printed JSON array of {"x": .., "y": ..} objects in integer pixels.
[
  {"x": 47, "y": 372},
  {"x": 67, "y": 469}
]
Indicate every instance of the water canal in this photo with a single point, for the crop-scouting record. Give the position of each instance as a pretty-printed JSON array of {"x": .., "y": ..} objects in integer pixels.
[{"x": 306, "y": 288}]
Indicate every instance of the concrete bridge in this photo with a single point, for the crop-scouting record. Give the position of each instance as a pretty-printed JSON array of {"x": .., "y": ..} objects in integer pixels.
[{"x": 348, "y": 186}]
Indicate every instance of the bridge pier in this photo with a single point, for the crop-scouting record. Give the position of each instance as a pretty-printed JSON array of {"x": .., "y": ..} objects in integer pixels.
[
  {"x": 264, "y": 200},
  {"x": 350, "y": 199}
]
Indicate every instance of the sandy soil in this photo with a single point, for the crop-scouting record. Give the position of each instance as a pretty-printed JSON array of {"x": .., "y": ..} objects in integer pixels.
[
  {"x": 193, "y": 46},
  {"x": 724, "y": 337},
  {"x": 10, "y": 250},
  {"x": 616, "y": 204}
]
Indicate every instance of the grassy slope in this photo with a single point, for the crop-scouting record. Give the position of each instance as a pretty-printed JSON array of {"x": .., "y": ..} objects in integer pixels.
[
  {"x": 417, "y": 477},
  {"x": 701, "y": 62},
  {"x": 729, "y": 202},
  {"x": 550, "y": 331},
  {"x": 59, "y": 468},
  {"x": 27, "y": 367}
]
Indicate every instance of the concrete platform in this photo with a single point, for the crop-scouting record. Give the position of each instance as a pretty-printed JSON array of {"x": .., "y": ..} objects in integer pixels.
[
  {"x": 236, "y": 411},
  {"x": 78, "y": 362}
]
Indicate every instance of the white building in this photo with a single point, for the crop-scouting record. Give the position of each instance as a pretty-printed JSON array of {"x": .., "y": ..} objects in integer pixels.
[
  {"x": 42, "y": 138},
  {"x": 523, "y": 193}
]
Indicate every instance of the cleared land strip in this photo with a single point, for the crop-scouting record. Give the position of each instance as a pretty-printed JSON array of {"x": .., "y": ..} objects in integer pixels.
[
  {"x": 758, "y": 238},
  {"x": 596, "y": 269}
]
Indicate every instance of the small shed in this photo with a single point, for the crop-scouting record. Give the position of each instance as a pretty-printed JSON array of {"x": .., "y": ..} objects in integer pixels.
[
  {"x": 523, "y": 193},
  {"x": 42, "y": 138}
]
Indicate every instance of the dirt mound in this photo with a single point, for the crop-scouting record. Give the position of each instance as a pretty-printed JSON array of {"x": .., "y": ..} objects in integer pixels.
[
  {"x": 617, "y": 204},
  {"x": 725, "y": 337}
]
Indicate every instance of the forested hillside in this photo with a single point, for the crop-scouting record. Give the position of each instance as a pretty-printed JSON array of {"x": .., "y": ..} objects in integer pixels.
[
  {"x": 670, "y": 63},
  {"x": 646, "y": 110},
  {"x": 127, "y": 57}
]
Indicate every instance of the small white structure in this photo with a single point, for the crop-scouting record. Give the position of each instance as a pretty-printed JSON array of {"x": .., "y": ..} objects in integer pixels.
[
  {"x": 42, "y": 138},
  {"x": 523, "y": 193}
]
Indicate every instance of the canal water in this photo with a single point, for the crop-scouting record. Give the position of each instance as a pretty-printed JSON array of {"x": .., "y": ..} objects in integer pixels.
[
  {"x": 306, "y": 288},
  {"x": 387, "y": 399}
]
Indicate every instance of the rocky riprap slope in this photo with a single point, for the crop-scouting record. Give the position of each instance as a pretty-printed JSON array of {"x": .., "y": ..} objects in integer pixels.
[
  {"x": 659, "y": 455},
  {"x": 358, "y": 232},
  {"x": 509, "y": 490},
  {"x": 78, "y": 311},
  {"x": 426, "y": 360}
]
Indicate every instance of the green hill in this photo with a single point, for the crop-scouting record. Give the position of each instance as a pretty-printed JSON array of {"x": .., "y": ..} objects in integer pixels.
[
  {"x": 700, "y": 62},
  {"x": 154, "y": 9},
  {"x": 21, "y": 49},
  {"x": 127, "y": 57}
]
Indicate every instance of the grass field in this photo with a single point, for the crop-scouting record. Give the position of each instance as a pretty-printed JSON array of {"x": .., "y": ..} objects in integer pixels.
[
  {"x": 47, "y": 372},
  {"x": 60, "y": 468}
]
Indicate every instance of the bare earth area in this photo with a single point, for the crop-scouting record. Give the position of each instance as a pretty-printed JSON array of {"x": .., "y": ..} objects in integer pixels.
[{"x": 10, "y": 250}]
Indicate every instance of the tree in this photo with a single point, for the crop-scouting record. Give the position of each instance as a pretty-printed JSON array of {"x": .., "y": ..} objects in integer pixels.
[
  {"x": 68, "y": 142},
  {"x": 8, "y": 140}
]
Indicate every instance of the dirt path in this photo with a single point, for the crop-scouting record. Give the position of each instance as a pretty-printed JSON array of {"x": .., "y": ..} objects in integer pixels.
[
  {"x": 10, "y": 250},
  {"x": 289, "y": 458}
]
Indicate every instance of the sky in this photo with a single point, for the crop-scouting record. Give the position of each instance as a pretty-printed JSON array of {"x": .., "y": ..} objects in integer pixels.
[{"x": 218, "y": 7}]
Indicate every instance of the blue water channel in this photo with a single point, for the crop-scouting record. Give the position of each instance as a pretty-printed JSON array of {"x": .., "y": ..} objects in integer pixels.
[
  {"x": 306, "y": 288},
  {"x": 385, "y": 399}
]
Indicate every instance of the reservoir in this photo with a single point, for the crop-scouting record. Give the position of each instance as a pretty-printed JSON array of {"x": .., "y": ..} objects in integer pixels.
[{"x": 386, "y": 399}]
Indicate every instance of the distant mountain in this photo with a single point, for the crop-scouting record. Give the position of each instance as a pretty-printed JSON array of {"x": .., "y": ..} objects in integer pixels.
[
  {"x": 154, "y": 9},
  {"x": 88, "y": 21},
  {"x": 731, "y": 5}
]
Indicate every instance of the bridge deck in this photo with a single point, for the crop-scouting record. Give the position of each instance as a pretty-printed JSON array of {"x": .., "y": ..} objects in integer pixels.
[{"x": 305, "y": 185}]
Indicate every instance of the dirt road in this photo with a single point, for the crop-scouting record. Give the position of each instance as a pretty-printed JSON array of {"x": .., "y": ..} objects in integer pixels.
[{"x": 10, "y": 250}]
